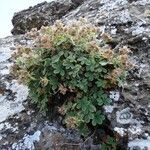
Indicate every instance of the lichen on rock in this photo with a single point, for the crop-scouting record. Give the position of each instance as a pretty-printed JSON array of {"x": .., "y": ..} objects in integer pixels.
[{"x": 127, "y": 21}]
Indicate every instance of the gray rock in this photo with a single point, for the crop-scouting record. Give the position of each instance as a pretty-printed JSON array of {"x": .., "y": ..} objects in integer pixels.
[
  {"x": 128, "y": 22},
  {"x": 42, "y": 14},
  {"x": 21, "y": 125}
]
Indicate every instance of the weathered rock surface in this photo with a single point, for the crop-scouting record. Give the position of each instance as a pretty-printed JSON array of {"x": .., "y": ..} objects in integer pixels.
[
  {"x": 128, "y": 22},
  {"x": 41, "y": 15},
  {"x": 22, "y": 127}
]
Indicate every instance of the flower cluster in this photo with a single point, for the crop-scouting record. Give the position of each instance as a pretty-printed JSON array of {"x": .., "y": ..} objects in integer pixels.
[{"x": 73, "y": 65}]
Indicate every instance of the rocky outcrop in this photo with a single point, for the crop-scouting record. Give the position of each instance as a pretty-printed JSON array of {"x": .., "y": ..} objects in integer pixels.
[
  {"x": 41, "y": 15},
  {"x": 128, "y": 22},
  {"x": 22, "y": 126}
]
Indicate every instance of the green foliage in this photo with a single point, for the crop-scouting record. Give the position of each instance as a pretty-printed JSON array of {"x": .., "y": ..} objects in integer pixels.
[
  {"x": 110, "y": 144},
  {"x": 66, "y": 60}
]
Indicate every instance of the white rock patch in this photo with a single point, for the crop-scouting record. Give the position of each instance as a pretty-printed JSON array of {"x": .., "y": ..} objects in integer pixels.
[
  {"x": 27, "y": 142},
  {"x": 120, "y": 131},
  {"x": 108, "y": 108},
  {"x": 5, "y": 54},
  {"x": 4, "y": 126},
  {"x": 20, "y": 92},
  {"x": 7, "y": 107},
  {"x": 124, "y": 116},
  {"x": 142, "y": 144},
  {"x": 114, "y": 95}
]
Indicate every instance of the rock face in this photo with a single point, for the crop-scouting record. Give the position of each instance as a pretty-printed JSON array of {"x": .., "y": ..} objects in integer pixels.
[
  {"x": 41, "y": 15},
  {"x": 128, "y": 22},
  {"x": 22, "y": 127}
]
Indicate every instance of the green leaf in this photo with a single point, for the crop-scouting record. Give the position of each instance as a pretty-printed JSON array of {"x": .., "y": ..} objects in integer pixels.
[
  {"x": 71, "y": 57},
  {"x": 60, "y": 39},
  {"x": 82, "y": 103},
  {"x": 83, "y": 129},
  {"x": 104, "y": 70},
  {"x": 100, "y": 101},
  {"x": 66, "y": 63},
  {"x": 90, "y": 76},
  {"x": 88, "y": 117},
  {"x": 86, "y": 106},
  {"x": 47, "y": 62},
  {"x": 62, "y": 72},
  {"x": 101, "y": 83},
  {"x": 57, "y": 68},
  {"x": 103, "y": 63},
  {"x": 104, "y": 147},
  {"x": 99, "y": 70},
  {"x": 54, "y": 82},
  {"x": 102, "y": 98},
  {"x": 55, "y": 58},
  {"x": 82, "y": 60},
  {"x": 110, "y": 144},
  {"x": 83, "y": 85},
  {"x": 77, "y": 68},
  {"x": 98, "y": 118}
]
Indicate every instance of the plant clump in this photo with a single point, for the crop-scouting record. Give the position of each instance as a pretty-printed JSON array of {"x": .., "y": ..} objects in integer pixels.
[{"x": 73, "y": 64}]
